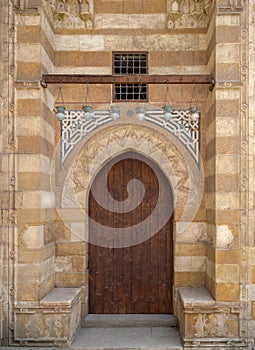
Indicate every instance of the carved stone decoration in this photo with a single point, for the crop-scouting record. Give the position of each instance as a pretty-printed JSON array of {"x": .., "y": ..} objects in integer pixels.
[
  {"x": 94, "y": 151},
  {"x": 181, "y": 126},
  {"x": 232, "y": 6},
  {"x": 23, "y": 5},
  {"x": 71, "y": 13},
  {"x": 74, "y": 127},
  {"x": 189, "y": 13}
]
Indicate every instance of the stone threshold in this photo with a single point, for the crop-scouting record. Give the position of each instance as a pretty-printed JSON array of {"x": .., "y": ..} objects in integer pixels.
[
  {"x": 129, "y": 320},
  {"x": 131, "y": 338}
]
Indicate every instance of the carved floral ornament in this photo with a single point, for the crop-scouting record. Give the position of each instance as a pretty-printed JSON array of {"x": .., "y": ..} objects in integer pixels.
[
  {"x": 188, "y": 13},
  {"x": 69, "y": 11},
  {"x": 179, "y": 13}
]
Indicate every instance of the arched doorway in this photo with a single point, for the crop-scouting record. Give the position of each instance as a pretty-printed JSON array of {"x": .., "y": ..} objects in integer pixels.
[{"x": 130, "y": 278}]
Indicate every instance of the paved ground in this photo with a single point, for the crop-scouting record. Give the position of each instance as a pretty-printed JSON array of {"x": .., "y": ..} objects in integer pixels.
[
  {"x": 128, "y": 338},
  {"x": 123, "y": 332}
]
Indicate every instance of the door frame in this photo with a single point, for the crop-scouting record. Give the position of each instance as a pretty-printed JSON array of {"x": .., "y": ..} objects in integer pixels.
[
  {"x": 162, "y": 148},
  {"x": 151, "y": 163}
]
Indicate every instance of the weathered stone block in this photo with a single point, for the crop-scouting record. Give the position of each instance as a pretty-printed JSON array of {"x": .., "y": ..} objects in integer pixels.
[
  {"x": 28, "y": 107},
  {"x": 182, "y": 249},
  {"x": 28, "y": 34},
  {"x": 227, "y": 256},
  {"x": 227, "y": 273},
  {"x": 228, "y": 34},
  {"x": 71, "y": 248},
  {"x": 227, "y": 292},
  {"x": 28, "y": 71},
  {"x": 228, "y": 71},
  {"x": 189, "y": 279},
  {"x": 81, "y": 59},
  {"x": 69, "y": 279},
  {"x": 202, "y": 319},
  {"x": 54, "y": 320}
]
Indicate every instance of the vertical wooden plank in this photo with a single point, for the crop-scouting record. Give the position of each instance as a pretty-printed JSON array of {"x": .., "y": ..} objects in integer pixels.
[
  {"x": 126, "y": 258},
  {"x": 134, "y": 279},
  {"x": 130, "y": 254},
  {"x": 113, "y": 192},
  {"x": 136, "y": 220},
  {"x": 146, "y": 245},
  {"x": 92, "y": 259},
  {"x": 155, "y": 251},
  {"x": 118, "y": 252},
  {"x": 163, "y": 253}
]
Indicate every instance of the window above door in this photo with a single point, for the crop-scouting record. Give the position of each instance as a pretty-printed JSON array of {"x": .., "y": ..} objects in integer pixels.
[{"x": 130, "y": 63}]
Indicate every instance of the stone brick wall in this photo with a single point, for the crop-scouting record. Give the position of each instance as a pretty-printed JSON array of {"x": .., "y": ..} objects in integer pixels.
[
  {"x": 249, "y": 264},
  {"x": 35, "y": 140},
  {"x": 7, "y": 170},
  {"x": 2, "y": 47},
  {"x": 210, "y": 167},
  {"x": 41, "y": 252},
  {"x": 89, "y": 51}
]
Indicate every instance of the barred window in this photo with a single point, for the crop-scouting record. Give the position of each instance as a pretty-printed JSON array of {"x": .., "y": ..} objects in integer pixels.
[{"x": 130, "y": 64}]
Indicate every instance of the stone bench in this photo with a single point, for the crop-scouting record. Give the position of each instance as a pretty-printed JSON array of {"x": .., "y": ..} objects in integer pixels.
[
  {"x": 53, "y": 320},
  {"x": 204, "y": 321}
]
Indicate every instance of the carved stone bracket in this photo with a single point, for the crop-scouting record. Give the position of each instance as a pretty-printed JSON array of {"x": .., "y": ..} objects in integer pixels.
[
  {"x": 189, "y": 13},
  {"x": 72, "y": 12}
]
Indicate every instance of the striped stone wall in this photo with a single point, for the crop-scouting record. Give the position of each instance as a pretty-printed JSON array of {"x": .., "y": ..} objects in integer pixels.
[
  {"x": 4, "y": 29},
  {"x": 210, "y": 164},
  {"x": 177, "y": 53},
  {"x": 216, "y": 250},
  {"x": 227, "y": 157},
  {"x": 8, "y": 219},
  {"x": 248, "y": 266},
  {"x": 35, "y": 130}
]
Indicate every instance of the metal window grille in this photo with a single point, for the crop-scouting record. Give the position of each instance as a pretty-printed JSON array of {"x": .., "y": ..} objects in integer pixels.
[
  {"x": 130, "y": 92},
  {"x": 130, "y": 63},
  {"x": 126, "y": 64}
]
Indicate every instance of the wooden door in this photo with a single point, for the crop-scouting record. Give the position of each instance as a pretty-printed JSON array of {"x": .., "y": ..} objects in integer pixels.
[{"x": 138, "y": 278}]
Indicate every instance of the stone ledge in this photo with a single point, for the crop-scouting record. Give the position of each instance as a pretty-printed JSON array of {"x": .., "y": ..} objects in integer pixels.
[
  {"x": 61, "y": 297},
  {"x": 191, "y": 297}
]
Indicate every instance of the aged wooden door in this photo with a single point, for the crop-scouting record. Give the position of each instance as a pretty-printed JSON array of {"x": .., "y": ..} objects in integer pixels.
[{"x": 131, "y": 278}]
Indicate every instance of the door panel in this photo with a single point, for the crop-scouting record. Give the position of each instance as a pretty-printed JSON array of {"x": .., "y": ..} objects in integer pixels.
[{"x": 137, "y": 278}]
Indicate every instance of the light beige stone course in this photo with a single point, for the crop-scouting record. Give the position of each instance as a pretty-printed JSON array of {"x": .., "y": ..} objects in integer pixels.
[
  {"x": 227, "y": 126},
  {"x": 189, "y": 263},
  {"x": 33, "y": 237},
  {"x": 228, "y": 52},
  {"x": 227, "y": 273},
  {"x": 227, "y": 20},
  {"x": 227, "y": 164},
  {"x": 28, "y": 52},
  {"x": 145, "y": 21}
]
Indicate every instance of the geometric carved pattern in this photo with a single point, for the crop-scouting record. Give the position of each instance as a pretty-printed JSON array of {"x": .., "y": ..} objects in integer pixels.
[
  {"x": 75, "y": 127},
  {"x": 181, "y": 126}
]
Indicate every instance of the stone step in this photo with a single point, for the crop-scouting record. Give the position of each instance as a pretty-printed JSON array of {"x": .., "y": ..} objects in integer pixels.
[
  {"x": 126, "y": 320},
  {"x": 127, "y": 338}
]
